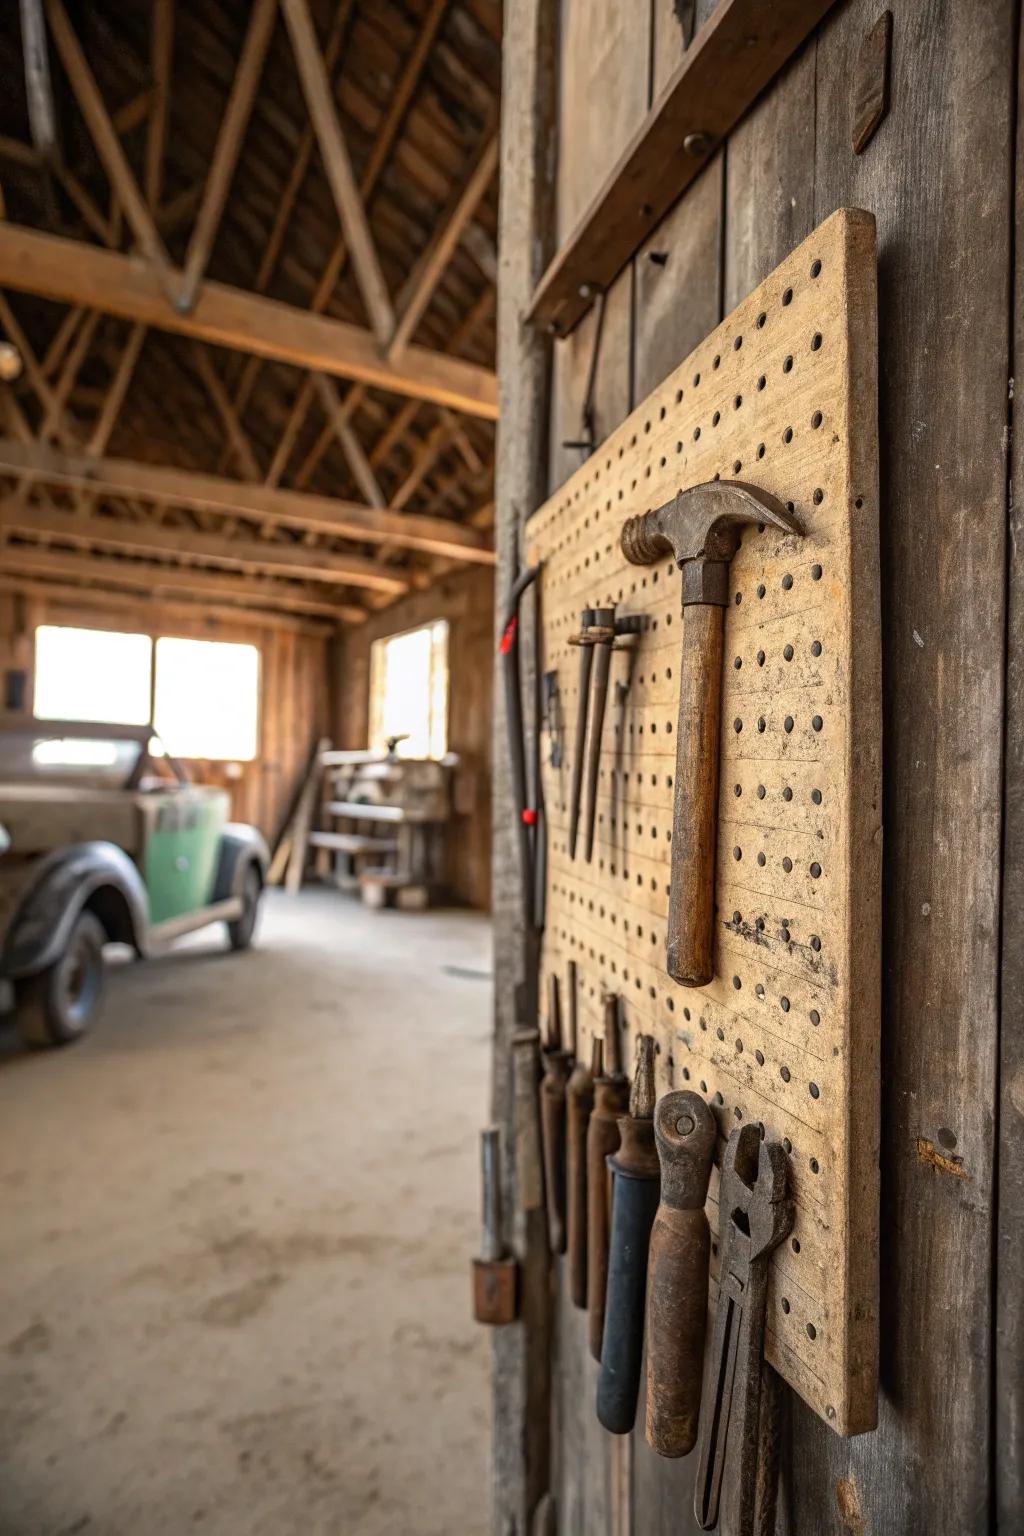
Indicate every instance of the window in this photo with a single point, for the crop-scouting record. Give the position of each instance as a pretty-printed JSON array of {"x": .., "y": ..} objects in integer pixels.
[
  {"x": 206, "y": 702},
  {"x": 409, "y": 691},
  {"x": 92, "y": 674},
  {"x": 202, "y": 696}
]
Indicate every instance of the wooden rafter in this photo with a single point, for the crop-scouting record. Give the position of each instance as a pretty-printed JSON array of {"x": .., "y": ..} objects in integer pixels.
[
  {"x": 77, "y": 273},
  {"x": 229, "y": 144},
  {"x": 222, "y": 404},
  {"x": 338, "y": 166},
  {"x": 178, "y": 544},
  {"x": 161, "y": 54},
  {"x": 105, "y": 138},
  {"x": 235, "y": 610},
  {"x": 32, "y": 560},
  {"x": 286, "y": 508},
  {"x": 428, "y": 271},
  {"x": 338, "y": 413}
]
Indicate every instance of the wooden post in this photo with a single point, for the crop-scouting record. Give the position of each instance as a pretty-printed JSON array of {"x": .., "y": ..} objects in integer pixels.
[{"x": 522, "y": 1365}]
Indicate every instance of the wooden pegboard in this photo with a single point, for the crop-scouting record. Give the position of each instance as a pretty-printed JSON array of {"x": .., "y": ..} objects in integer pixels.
[{"x": 782, "y": 395}]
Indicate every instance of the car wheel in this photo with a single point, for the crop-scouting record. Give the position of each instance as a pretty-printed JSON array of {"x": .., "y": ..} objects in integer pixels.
[
  {"x": 59, "y": 1004},
  {"x": 240, "y": 932}
]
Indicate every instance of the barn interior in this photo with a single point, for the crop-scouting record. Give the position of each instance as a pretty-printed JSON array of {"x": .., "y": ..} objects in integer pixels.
[{"x": 248, "y": 459}]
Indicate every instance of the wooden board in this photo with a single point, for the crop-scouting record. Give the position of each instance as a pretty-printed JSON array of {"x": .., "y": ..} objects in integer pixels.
[{"x": 784, "y": 395}]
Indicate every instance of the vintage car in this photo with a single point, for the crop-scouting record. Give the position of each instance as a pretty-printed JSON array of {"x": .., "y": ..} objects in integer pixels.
[{"x": 105, "y": 841}]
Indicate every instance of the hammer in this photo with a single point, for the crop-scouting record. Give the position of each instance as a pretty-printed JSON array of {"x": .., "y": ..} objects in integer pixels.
[{"x": 700, "y": 529}]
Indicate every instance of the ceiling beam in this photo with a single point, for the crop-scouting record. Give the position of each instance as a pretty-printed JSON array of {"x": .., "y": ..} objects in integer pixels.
[
  {"x": 422, "y": 282},
  {"x": 162, "y": 578},
  {"x": 292, "y": 560},
  {"x": 338, "y": 413},
  {"x": 161, "y": 57},
  {"x": 292, "y": 509},
  {"x": 77, "y": 273},
  {"x": 106, "y": 141},
  {"x": 150, "y": 616},
  {"x": 317, "y": 90},
  {"x": 229, "y": 145}
]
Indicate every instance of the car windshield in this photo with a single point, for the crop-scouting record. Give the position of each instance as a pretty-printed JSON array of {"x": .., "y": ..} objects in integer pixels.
[{"x": 47, "y": 754}]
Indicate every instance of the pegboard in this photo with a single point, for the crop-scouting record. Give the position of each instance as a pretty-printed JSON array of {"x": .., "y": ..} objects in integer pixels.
[{"x": 782, "y": 395}]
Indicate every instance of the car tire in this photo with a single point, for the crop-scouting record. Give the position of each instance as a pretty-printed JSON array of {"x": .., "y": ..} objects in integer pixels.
[
  {"x": 58, "y": 1005},
  {"x": 240, "y": 932}
]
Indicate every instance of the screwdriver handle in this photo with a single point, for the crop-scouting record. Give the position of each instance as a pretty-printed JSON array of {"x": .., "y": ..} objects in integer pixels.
[
  {"x": 557, "y": 1065},
  {"x": 677, "y": 1273},
  {"x": 579, "y": 1104},
  {"x": 635, "y": 1197},
  {"x": 611, "y": 1095}
]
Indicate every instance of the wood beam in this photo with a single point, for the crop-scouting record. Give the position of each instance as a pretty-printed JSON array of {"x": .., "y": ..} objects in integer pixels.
[
  {"x": 155, "y": 579},
  {"x": 180, "y": 544},
  {"x": 118, "y": 389},
  {"x": 422, "y": 282},
  {"x": 338, "y": 413},
  {"x": 214, "y": 387},
  {"x": 338, "y": 166},
  {"x": 231, "y": 609},
  {"x": 76, "y": 273},
  {"x": 739, "y": 49},
  {"x": 161, "y": 57},
  {"x": 105, "y": 139},
  {"x": 228, "y": 148},
  {"x": 286, "y": 508}
]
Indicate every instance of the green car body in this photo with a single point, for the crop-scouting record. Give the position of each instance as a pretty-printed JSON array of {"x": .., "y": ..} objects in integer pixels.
[{"x": 105, "y": 840}]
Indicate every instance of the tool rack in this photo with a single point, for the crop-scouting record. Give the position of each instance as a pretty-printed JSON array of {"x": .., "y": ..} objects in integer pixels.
[{"x": 783, "y": 395}]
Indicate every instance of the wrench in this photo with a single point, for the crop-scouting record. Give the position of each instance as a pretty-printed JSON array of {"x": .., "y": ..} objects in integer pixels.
[{"x": 754, "y": 1216}]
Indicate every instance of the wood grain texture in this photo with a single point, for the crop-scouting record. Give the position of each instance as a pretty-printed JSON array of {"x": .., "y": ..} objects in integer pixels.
[
  {"x": 1009, "y": 1353},
  {"x": 777, "y": 1035},
  {"x": 943, "y": 279}
]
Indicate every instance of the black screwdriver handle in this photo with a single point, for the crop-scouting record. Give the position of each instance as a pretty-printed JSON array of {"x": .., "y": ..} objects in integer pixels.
[{"x": 635, "y": 1196}]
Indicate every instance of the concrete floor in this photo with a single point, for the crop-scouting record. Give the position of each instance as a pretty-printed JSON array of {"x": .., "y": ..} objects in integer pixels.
[{"x": 236, "y": 1230}]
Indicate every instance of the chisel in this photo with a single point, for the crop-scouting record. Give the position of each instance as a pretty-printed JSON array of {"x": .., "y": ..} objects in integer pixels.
[
  {"x": 579, "y": 1095},
  {"x": 611, "y": 1099},
  {"x": 635, "y": 1194},
  {"x": 582, "y": 705},
  {"x": 677, "y": 1273},
  {"x": 602, "y": 633},
  {"x": 494, "y": 1272},
  {"x": 557, "y": 1065}
]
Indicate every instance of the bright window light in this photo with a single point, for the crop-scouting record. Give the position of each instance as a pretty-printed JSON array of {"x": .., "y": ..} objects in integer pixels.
[
  {"x": 207, "y": 698},
  {"x": 92, "y": 674},
  {"x": 409, "y": 691},
  {"x": 73, "y": 752}
]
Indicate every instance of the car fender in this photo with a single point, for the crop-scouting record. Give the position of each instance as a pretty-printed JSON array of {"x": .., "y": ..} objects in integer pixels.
[
  {"x": 241, "y": 847},
  {"x": 94, "y": 875}
]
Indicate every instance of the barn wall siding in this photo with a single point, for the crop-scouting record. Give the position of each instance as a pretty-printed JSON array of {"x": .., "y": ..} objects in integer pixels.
[{"x": 938, "y": 176}]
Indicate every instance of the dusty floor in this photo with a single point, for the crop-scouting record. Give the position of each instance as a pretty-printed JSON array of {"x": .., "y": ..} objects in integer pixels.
[{"x": 235, "y": 1234}]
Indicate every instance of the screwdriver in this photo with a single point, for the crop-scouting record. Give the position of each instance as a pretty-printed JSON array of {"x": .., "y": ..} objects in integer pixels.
[{"x": 635, "y": 1194}]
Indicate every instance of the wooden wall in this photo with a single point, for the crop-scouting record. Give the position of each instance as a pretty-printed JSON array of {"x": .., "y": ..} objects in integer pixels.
[
  {"x": 294, "y": 687},
  {"x": 466, "y": 600},
  {"x": 939, "y": 178}
]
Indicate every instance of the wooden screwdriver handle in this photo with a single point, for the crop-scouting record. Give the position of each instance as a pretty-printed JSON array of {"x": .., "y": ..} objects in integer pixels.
[
  {"x": 677, "y": 1273},
  {"x": 691, "y": 907},
  {"x": 611, "y": 1097}
]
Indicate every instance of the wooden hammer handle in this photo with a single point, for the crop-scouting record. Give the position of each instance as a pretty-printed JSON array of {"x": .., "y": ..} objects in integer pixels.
[
  {"x": 677, "y": 1301},
  {"x": 691, "y": 907}
]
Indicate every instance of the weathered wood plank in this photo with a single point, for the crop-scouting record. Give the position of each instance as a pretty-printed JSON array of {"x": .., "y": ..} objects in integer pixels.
[
  {"x": 944, "y": 242},
  {"x": 522, "y": 1352},
  {"x": 1009, "y": 1351}
]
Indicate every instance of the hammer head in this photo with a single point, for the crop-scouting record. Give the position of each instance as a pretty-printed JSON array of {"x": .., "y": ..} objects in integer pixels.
[{"x": 702, "y": 523}]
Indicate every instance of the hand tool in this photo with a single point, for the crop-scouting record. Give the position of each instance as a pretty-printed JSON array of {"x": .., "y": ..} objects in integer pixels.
[
  {"x": 525, "y": 1085},
  {"x": 585, "y": 644},
  {"x": 677, "y": 1273},
  {"x": 754, "y": 1215},
  {"x": 579, "y": 1096},
  {"x": 494, "y": 1272},
  {"x": 526, "y": 815},
  {"x": 557, "y": 1065},
  {"x": 551, "y": 715},
  {"x": 611, "y": 1099},
  {"x": 700, "y": 529},
  {"x": 634, "y": 1201},
  {"x": 602, "y": 636}
]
